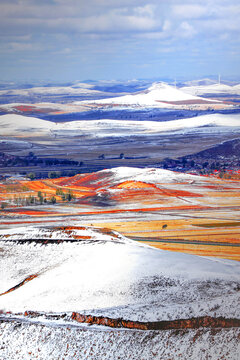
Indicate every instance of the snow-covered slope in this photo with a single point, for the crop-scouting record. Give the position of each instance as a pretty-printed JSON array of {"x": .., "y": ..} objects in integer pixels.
[
  {"x": 12, "y": 124},
  {"x": 153, "y": 96},
  {"x": 89, "y": 271},
  {"x": 101, "y": 128}
]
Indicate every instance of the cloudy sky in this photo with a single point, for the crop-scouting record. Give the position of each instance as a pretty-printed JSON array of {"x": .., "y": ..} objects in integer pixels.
[{"x": 118, "y": 39}]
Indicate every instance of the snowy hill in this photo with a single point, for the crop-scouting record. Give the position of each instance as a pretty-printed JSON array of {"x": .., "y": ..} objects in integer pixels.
[
  {"x": 88, "y": 270},
  {"x": 121, "y": 174},
  {"x": 116, "y": 178},
  {"x": 153, "y": 96}
]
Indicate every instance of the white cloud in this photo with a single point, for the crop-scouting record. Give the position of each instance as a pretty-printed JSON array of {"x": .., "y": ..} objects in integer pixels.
[
  {"x": 64, "y": 17},
  {"x": 95, "y": 20}
]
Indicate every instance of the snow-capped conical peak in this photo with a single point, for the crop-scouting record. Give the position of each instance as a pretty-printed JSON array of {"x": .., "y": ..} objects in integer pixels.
[{"x": 158, "y": 86}]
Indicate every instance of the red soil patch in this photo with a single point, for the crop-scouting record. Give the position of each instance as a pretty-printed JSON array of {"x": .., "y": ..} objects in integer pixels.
[
  {"x": 181, "y": 193},
  {"x": 31, "y": 109},
  {"x": 92, "y": 181},
  {"x": 68, "y": 228},
  {"x": 37, "y": 185},
  {"x": 133, "y": 188}
]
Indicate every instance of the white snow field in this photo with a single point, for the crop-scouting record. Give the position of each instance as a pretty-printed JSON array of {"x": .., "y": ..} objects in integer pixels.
[{"x": 14, "y": 125}]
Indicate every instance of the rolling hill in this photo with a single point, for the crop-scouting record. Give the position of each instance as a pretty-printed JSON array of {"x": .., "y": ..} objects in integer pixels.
[{"x": 14, "y": 125}]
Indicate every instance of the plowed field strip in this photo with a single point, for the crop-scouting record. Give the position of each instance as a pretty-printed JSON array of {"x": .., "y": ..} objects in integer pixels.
[
  {"x": 223, "y": 252},
  {"x": 216, "y": 225}
]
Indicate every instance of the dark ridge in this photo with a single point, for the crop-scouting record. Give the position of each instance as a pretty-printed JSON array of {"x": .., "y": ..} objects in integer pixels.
[
  {"x": 50, "y": 241},
  {"x": 226, "y": 149}
]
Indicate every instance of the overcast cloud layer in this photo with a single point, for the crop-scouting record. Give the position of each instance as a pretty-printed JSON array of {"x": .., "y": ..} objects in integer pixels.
[{"x": 81, "y": 39}]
